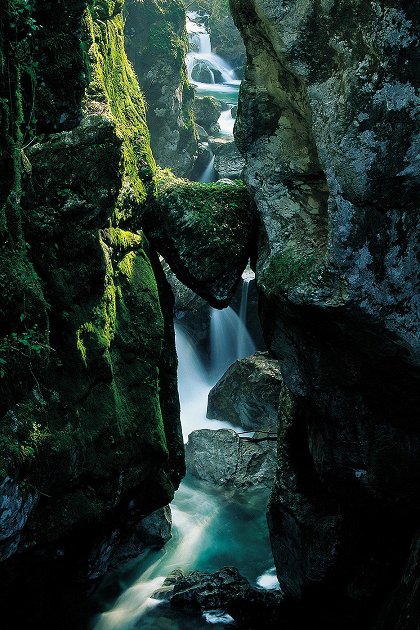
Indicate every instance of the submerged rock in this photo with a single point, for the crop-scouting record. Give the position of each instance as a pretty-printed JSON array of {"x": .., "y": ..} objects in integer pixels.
[
  {"x": 228, "y": 162},
  {"x": 247, "y": 395},
  {"x": 224, "y": 459}
]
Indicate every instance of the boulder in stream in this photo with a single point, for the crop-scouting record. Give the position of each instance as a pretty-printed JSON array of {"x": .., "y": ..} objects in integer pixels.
[
  {"x": 248, "y": 393},
  {"x": 207, "y": 110},
  {"x": 205, "y": 232},
  {"x": 224, "y": 459},
  {"x": 225, "y": 590}
]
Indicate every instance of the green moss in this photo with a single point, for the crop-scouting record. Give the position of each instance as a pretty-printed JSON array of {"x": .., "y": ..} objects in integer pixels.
[
  {"x": 113, "y": 79},
  {"x": 208, "y": 220},
  {"x": 285, "y": 270}
]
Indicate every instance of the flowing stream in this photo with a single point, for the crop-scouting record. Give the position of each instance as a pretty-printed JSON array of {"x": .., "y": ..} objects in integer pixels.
[
  {"x": 212, "y": 76},
  {"x": 212, "y": 527}
]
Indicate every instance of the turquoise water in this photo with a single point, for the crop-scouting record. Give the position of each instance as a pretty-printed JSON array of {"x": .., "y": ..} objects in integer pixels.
[{"x": 212, "y": 528}]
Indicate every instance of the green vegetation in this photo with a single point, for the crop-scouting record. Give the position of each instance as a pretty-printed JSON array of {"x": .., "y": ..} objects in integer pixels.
[
  {"x": 83, "y": 335},
  {"x": 285, "y": 270},
  {"x": 114, "y": 78}
]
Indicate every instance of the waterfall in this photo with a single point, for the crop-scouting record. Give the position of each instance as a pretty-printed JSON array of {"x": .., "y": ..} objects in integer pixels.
[
  {"x": 245, "y": 345},
  {"x": 203, "y": 59},
  {"x": 210, "y": 529},
  {"x": 226, "y": 123},
  {"x": 229, "y": 340},
  {"x": 208, "y": 173}
]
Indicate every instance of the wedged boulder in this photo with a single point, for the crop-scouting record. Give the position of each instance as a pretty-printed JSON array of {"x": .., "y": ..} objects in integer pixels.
[
  {"x": 207, "y": 110},
  {"x": 247, "y": 395},
  {"x": 229, "y": 162},
  {"x": 224, "y": 459},
  {"x": 205, "y": 232}
]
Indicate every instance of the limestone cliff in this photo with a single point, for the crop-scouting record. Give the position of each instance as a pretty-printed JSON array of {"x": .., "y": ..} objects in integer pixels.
[
  {"x": 157, "y": 43},
  {"x": 327, "y": 123},
  {"x": 89, "y": 406}
]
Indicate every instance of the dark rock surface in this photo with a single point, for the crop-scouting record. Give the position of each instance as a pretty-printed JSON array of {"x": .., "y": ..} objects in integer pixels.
[
  {"x": 247, "y": 395},
  {"x": 88, "y": 397},
  {"x": 228, "y": 162},
  {"x": 223, "y": 458},
  {"x": 326, "y": 122},
  {"x": 223, "y": 590}
]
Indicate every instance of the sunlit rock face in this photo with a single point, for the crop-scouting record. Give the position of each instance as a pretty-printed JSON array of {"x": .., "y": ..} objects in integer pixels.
[
  {"x": 156, "y": 43},
  {"x": 327, "y": 125}
]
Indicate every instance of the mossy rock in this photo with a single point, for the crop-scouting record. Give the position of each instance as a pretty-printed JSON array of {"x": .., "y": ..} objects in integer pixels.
[{"x": 206, "y": 233}]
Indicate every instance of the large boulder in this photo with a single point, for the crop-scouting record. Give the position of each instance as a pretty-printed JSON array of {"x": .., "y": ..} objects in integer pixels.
[
  {"x": 229, "y": 162},
  {"x": 247, "y": 395},
  {"x": 205, "y": 232},
  {"x": 223, "y": 458},
  {"x": 224, "y": 590},
  {"x": 207, "y": 112},
  {"x": 327, "y": 124}
]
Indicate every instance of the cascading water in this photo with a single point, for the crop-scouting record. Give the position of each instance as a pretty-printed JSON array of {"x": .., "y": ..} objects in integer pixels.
[
  {"x": 208, "y": 174},
  {"x": 243, "y": 335},
  {"x": 211, "y": 74},
  {"x": 205, "y": 533},
  {"x": 201, "y": 59},
  {"x": 229, "y": 340}
]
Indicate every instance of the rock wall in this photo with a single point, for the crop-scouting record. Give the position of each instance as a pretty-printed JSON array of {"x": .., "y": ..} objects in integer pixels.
[
  {"x": 157, "y": 43},
  {"x": 89, "y": 425},
  {"x": 327, "y": 124}
]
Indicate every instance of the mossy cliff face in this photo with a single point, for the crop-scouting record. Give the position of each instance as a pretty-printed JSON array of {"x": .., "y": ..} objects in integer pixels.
[
  {"x": 327, "y": 125},
  {"x": 157, "y": 43},
  {"x": 90, "y": 414}
]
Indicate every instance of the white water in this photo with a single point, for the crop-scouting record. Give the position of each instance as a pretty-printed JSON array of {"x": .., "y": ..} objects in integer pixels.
[
  {"x": 201, "y": 54},
  {"x": 208, "y": 174},
  {"x": 222, "y": 80},
  {"x": 229, "y": 341},
  {"x": 210, "y": 529},
  {"x": 226, "y": 123},
  {"x": 244, "y": 340}
]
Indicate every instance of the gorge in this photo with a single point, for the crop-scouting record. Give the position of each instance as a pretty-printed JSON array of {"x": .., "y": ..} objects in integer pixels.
[{"x": 107, "y": 177}]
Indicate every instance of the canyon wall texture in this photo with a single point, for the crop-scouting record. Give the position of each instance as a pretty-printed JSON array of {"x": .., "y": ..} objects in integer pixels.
[
  {"x": 89, "y": 426},
  {"x": 327, "y": 123},
  {"x": 156, "y": 43}
]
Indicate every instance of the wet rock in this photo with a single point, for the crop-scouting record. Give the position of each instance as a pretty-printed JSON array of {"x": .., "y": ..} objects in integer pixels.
[
  {"x": 203, "y": 136},
  {"x": 151, "y": 531},
  {"x": 15, "y": 508},
  {"x": 207, "y": 111},
  {"x": 207, "y": 590},
  {"x": 247, "y": 395},
  {"x": 223, "y": 458},
  {"x": 224, "y": 590},
  {"x": 229, "y": 162}
]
